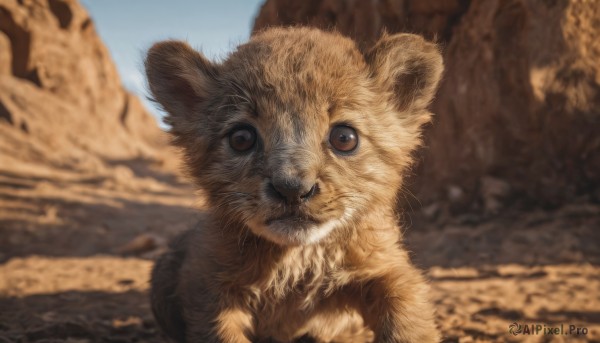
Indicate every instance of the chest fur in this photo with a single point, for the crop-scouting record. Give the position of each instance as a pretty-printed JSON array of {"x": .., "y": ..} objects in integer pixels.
[
  {"x": 302, "y": 274},
  {"x": 297, "y": 287}
]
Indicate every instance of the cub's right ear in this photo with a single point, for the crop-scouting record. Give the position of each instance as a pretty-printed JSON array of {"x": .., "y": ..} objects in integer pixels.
[{"x": 179, "y": 77}]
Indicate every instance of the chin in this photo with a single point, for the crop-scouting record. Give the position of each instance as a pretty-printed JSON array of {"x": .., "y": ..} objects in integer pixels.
[{"x": 294, "y": 231}]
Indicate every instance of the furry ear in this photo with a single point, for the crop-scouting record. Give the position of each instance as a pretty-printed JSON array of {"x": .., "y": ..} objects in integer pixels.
[
  {"x": 407, "y": 66},
  {"x": 179, "y": 77}
]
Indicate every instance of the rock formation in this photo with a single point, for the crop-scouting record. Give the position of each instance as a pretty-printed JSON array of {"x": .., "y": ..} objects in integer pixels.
[
  {"x": 62, "y": 104},
  {"x": 84, "y": 168},
  {"x": 520, "y": 100}
]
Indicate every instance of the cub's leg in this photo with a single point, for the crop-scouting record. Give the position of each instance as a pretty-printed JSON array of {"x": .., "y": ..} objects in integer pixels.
[
  {"x": 226, "y": 326},
  {"x": 185, "y": 308},
  {"x": 396, "y": 307}
]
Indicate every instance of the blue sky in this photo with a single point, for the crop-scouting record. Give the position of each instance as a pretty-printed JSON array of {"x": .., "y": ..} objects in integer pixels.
[{"x": 129, "y": 27}]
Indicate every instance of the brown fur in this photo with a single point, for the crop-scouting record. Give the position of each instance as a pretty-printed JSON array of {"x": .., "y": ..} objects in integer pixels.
[{"x": 255, "y": 269}]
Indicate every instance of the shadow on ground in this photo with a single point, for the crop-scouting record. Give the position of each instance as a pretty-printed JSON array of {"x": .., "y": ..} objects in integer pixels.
[{"x": 115, "y": 317}]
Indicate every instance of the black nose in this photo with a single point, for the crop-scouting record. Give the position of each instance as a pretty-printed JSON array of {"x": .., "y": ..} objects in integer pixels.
[{"x": 292, "y": 190}]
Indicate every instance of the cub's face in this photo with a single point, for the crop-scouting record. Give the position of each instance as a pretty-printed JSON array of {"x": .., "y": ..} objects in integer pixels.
[{"x": 297, "y": 134}]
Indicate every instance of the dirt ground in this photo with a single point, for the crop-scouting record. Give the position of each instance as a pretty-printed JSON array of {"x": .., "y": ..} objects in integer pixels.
[{"x": 76, "y": 251}]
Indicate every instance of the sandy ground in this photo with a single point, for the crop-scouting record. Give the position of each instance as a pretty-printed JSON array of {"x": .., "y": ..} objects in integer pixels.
[{"x": 76, "y": 251}]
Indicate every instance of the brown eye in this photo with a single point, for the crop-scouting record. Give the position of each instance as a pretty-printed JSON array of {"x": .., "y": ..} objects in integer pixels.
[
  {"x": 343, "y": 138},
  {"x": 242, "y": 138}
]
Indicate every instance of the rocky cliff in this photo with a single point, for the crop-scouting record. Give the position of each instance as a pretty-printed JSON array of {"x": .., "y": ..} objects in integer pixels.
[
  {"x": 518, "y": 110},
  {"x": 84, "y": 168},
  {"x": 62, "y": 104}
]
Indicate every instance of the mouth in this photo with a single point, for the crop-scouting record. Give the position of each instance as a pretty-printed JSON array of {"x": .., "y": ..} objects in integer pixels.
[
  {"x": 293, "y": 220},
  {"x": 293, "y": 229}
]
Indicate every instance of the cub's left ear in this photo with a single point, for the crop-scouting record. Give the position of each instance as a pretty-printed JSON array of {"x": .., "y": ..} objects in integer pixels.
[{"x": 409, "y": 68}]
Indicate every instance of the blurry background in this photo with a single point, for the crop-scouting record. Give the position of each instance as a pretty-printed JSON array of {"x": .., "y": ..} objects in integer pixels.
[{"x": 502, "y": 209}]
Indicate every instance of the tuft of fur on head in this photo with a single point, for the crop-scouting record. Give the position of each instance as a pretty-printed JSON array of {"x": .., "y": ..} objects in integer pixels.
[{"x": 292, "y": 86}]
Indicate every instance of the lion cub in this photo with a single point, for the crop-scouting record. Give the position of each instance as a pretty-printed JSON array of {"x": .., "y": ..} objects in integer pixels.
[{"x": 299, "y": 142}]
